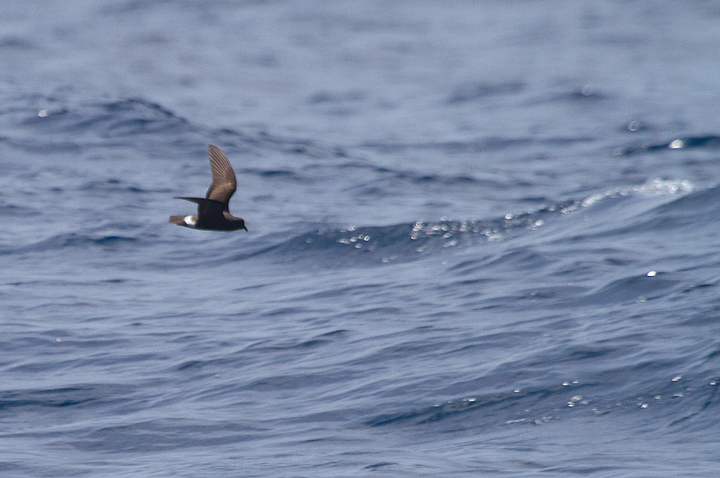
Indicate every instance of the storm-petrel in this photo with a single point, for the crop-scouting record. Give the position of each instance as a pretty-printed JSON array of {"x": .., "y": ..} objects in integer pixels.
[{"x": 213, "y": 213}]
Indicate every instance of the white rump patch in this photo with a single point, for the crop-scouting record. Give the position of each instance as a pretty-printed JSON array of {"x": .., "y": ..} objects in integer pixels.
[{"x": 190, "y": 221}]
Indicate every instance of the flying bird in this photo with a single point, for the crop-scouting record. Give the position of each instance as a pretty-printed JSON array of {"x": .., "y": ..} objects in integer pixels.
[{"x": 213, "y": 213}]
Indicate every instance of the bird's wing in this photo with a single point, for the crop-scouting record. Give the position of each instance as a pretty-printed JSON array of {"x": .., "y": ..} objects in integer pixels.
[
  {"x": 224, "y": 183},
  {"x": 207, "y": 207}
]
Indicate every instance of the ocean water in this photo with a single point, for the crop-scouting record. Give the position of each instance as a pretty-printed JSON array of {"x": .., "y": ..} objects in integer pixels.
[{"x": 484, "y": 239}]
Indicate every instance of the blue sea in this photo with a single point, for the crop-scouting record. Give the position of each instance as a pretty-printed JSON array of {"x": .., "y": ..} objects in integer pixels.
[{"x": 484, "y": 239}]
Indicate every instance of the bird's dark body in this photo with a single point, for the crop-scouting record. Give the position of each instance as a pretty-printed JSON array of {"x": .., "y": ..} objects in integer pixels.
[
  {"x": 211, "y": 216},
  {"x": 213, "y": 213}
]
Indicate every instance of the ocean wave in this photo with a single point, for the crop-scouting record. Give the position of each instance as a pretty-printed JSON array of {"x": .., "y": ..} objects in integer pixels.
[
  {"x": 47, "y": 124},
  {"x": 485, "y": 144},
  {"x": 74, "y": 240},
  {"x": 708, "y": 142},
  {"x": 410, "y": 241},
  {"x": 128, "y": 117},
  {"x": 489, "y": 408},
  {"x": 403, "y": 242},
  {"x": 80, "y": 395},
  {"x": 676, "y": 402},
  {"x": 367, "y": 245}
]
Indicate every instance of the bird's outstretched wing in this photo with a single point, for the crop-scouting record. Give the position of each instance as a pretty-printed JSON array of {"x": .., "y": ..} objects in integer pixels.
[{"x": 224, "y": 183}]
